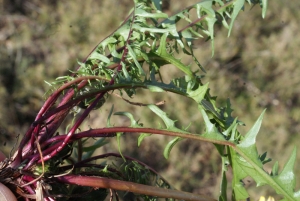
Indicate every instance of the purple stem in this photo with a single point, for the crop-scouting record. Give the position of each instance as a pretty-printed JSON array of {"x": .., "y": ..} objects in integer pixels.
[
  {"x": 102, "y": 182},
  {"x": 37, "y": 156},
  {"x": 57, "y": 121},
  {"x": 95, "y": 102},
  {"x": 58, "y": 139}
]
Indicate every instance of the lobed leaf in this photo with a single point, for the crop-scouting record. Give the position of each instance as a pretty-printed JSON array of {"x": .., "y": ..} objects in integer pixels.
[
  {"x": 161, "y": 52},
  {"x": 247, "y": 162}
]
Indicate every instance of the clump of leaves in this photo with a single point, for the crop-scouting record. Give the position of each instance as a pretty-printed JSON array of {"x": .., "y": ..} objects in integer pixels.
[{"x": 44, "y": 165}]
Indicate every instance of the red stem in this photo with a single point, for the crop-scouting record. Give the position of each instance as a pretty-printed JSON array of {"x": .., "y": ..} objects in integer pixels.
[
  {"x": 102, "y": 182},
  {"x": 87, "y": 111},
  {"x": 110, "y": 132},
  {"x": 156, "y": 131}
]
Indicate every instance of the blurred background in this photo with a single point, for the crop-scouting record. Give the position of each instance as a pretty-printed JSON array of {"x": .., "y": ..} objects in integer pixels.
[{"x": 257, "y": 67}]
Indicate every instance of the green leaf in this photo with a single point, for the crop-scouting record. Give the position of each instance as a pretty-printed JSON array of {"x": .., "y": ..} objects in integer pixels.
[
  {"x": 210, "y": 19},
  {"x": 223, "y": 187},
  {"x": 239, "y": 191},
  {"x": 247, "y": 162},
  {"x": 162, "y": 52},
  {"x": 197, "y": 94},
  {"x": 119, "y": 135},
  {"x": 264, "y": 5},
  {"x": 137, "y": 64},
  {"x": 170, "y": 145},
  {"x": 211, "y": 131},
  {"x": 275, "y": 169},
  {"x": 109, "y": 40},
  {"x": 96, "y": 55},
  {"x": 231, "y": 130},
  {"x": 143, "y": 13},
  {"x": 48, "y": 83},
  {"x": 188, "y": 36},
  {"x": 133, "y": 122},
  {"x": 109, "y": 116},
  {"x": 170, "y": 124},
  {"x": 151, "y": 30},
  {"x": 243, "y": 167},
  {"x": 91, "y": 149},
  {"x": 264, "y": 159},
  {"x": 227, "y": 114},
  {"x": 157, "y": 4},
  {"x": 238, "y": 5},
  {"x": 208, "y": 106},
  {"x": 248, "y": 144},
  {"x": 142, "y": 137},
  {"x": 155, "y": 88},
  {"x": 224, "y": 22},
  {"x": 286, "y": 178}
]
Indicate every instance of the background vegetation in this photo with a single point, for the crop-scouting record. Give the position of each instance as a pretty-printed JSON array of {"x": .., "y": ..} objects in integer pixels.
[{"x": 256, "y": 68}]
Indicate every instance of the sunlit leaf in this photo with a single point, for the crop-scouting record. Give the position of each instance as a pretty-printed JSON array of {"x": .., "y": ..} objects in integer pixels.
[
  {"x": 264, "y": 5},
  {"x": 161, "y": 52},
  {"x": 96, "y": 55},
  {"x": 238, "y": 5}
]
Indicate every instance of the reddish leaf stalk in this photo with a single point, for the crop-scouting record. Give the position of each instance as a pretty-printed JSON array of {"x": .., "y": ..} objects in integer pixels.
[
  {"x": 87, "y": 111},
  {"x": 156, "y": 131},
  {"x": 58, "y": 139},
  {"x": 110, "y": 132},
  {"x": 37, "y": 156},
  {"x": 102, "y": 182}
]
